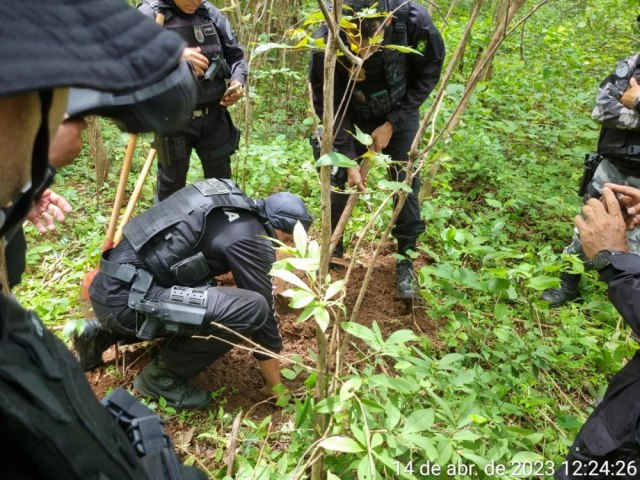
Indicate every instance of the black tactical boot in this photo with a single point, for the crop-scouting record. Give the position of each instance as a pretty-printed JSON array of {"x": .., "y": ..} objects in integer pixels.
[
  {"x": 406, "y": 288},
  {"x": 91, "y": 343},
  {"x": 569, "y": 290},
  {"x": 156, "y": 381}
]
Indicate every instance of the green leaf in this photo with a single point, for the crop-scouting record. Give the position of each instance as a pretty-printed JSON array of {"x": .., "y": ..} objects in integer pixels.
[
  {"x": 403, "y": 49},
  {"x": 304, "y": 264},
  {"x": 335, "y": 159},
  {"x": 301, "y": 299},
  {"x": 290, "y": 277},
  {"x": 477, "y": 459},
  {"x": 321, "y": 315},
  {"x": 334, "y": 288},
  {"x": 394, "y": 186},
  {"x": 359, "y": 331},
  {"x": 446, "y": 362},
  {"x": 526, "y": 457},
  {"x": 543, "y": 282},
  {"x": 426, "y": 444},
  {"x": 288, "y": 373},
  {"x": 328, "y": 405},
  {"x": 419, "y": 421},
  {"x": 466, "y": 436},
  {"x": 364, "y": 138},
  {"x": 300, "y": 238},
  {"x": 401, "y": 337},
  {"x": 340, "y": 443},
  {"x": 265, "y": 47}
]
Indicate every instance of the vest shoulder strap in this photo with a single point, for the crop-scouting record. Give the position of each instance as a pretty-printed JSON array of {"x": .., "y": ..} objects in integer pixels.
[{"x": 400, "y": 9}]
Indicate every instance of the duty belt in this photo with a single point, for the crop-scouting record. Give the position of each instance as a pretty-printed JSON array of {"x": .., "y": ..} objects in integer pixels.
[
  {"x": 202, "y": 112},
  {"x": 127, "y": 273}
]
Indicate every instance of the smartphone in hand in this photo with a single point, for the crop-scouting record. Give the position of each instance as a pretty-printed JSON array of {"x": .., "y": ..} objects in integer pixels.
[{"x": 232, "y": 89}]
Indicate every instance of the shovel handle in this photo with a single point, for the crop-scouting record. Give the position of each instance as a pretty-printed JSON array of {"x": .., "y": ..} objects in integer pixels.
[
  {"x": 122, "y": 184},
  {"x": 135, "y": 195}
]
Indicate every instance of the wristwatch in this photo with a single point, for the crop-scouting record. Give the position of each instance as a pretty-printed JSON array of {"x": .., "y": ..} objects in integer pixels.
[{"x": 602, "y": 259}]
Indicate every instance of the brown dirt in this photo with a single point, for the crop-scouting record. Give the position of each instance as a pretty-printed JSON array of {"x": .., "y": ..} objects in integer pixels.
[{"x": 237, "y": 377}]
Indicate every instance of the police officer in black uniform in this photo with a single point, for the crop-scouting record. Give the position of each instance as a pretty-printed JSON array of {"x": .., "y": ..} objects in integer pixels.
[
  {"x": 385, "y": 101},
  {"x": 52, "y": 425},
  {"x": 215, "y": 56},
  {"x": 608, "y": 445},
  {"x": 156, "y": 282}
]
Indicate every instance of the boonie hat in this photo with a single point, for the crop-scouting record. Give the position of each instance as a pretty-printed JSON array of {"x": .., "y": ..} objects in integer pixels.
[{"x": 98, "y": 44}]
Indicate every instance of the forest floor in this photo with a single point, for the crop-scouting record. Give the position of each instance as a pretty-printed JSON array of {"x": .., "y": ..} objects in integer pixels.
[{"x": 236, "y": 376}]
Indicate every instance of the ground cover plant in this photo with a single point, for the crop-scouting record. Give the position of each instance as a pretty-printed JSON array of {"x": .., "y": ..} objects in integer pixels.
[{"x": 477, "y": 375}]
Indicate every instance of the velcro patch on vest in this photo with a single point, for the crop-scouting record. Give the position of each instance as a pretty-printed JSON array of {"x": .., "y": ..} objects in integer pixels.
[
  {"x": 212, "y": 186},
  {"x": 208, "y": 29}
]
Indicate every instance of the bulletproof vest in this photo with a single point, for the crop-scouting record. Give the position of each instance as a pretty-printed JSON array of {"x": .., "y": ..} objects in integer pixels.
[
  {"x": 49, "y": 414},
  {"x": 198, "y": 30},
  {"x": 375, "y": 105},
  {"x": 622, "y": 147},
  {"x": 166, "y": 237}
]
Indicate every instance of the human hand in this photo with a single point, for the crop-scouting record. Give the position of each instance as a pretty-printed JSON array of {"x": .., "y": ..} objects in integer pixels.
[
  {"x": 630, "y": 96},
  {"x": 381, "y": 136},
  {"x": 354, "y": 178},
  {"x": 50, "y": 206},
  {"x": 199, "y": 62},
  {"x": 233, "y": 94},
  {"x": 629, "y": 199},
  {"x": 601, "y": 225}
]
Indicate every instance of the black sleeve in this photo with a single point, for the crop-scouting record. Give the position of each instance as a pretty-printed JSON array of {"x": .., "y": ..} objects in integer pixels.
[
  {"x": 251, "y": 260},
  {"x": 232, "y": 51},
  {"x": 623, "y": 278},
  {"x": 424, "y": 70}
]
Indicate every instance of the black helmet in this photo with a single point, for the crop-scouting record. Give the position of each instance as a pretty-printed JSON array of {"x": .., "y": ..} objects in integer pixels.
[{"x": 283, "y": 210}]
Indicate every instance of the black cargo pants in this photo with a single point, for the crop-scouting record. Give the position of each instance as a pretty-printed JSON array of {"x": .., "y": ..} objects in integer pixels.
[
  {"x": 213, "y": 135},
  {"x": 608, "y": 445},
  {"x": 409, "y": 225},
  {"x": 239, "y": 310}
]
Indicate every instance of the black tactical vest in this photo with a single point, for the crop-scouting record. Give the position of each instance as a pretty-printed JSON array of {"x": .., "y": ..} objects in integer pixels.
[
  {"x": 49, "y": 416},
  {"x": 377, "y": 104},
  {"x": 167, "y": 236},
  {"x": 621, "y": 147},
  {"x": 198, "y": 30}
]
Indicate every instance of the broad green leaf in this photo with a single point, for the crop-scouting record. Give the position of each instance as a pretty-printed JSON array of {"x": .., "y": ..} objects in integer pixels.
[
  {"x": 526, "y": 457},
  {"x": 339, "y": 443},
  {"x": 465, "y": 377},
  {"x": 331, "y": 476},
  {"x": 419, "y": 421},
  {"x": 334, "y": 288},
  {"x": 290, "y": 277},
  {"x": 477, "y": 459},
  {"x": 426, "y": 444},
  {"x": 304, "y": 264},
  {"x": 466, "y": 436},
  {"x": 301, "y": 299},
  {"x": 543, "y": 282},
  {"x": 349, "y": 388},
  {"x": 300, "y": 238},
  {"x": 328, "y": 405},
  {"x": 394, "y": 186},
  {"x": 321, "y": 315},
  {"x": 335, "y": 159},
  {"x": 364, "y": 469},
  {"x": 364, "y": 138},
  {"x": 359, "y": 331},
  {"x": 446, "y": 362},
  {"x": 401, "y": 336}
]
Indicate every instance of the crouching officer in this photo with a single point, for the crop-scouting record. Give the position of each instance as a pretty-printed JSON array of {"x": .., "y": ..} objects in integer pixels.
[
  {"x": 156, "y": 282},
  {"x": 215, "y": 57}
]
